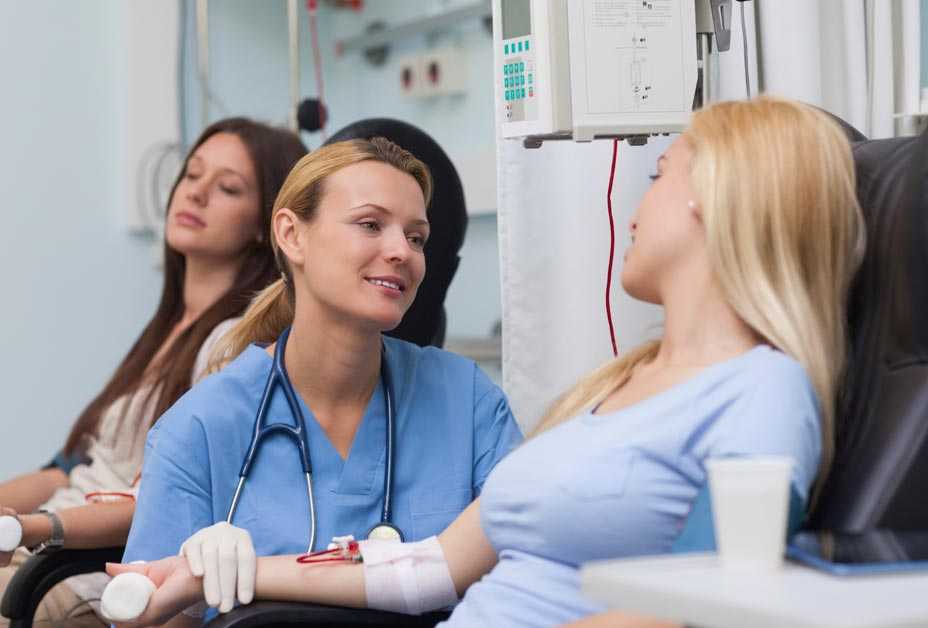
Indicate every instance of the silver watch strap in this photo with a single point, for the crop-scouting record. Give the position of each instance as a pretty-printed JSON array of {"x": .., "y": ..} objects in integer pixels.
[{"x": 56, "y": 541}]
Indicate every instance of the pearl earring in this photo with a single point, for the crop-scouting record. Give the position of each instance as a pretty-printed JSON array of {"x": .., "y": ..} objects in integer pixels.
[{"x": 691, "y": 204}]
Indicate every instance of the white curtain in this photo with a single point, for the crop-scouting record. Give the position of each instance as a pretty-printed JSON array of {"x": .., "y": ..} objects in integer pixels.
[
  {"x": 554, "y": 247},
  {"x": 856, "y": 58}
]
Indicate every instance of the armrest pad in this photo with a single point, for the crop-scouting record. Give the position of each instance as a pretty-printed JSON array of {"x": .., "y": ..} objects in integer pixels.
[
  {"x": 277, "y": 613},
  {"x": 40, "y": 573}
]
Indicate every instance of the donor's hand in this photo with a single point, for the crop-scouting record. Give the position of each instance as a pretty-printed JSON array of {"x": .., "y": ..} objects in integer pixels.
[{"x": 170, "y": 588}]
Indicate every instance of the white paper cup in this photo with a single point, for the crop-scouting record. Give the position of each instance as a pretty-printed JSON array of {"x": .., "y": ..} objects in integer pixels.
[{"x": 750, "y": 505}]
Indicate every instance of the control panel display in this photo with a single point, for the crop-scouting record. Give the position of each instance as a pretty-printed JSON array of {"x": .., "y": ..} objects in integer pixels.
[{"x": 517, "y": 18}]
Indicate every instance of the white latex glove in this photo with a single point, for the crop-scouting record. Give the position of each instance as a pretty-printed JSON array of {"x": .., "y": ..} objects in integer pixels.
[{"x": 224, "y": 556}]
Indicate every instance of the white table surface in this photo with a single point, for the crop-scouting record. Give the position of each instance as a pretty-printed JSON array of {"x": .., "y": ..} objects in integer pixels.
[{"x": 694, "y": 589}]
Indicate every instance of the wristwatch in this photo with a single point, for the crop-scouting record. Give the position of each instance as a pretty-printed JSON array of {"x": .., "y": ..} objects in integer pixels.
[{"x": 56, "y": 541}]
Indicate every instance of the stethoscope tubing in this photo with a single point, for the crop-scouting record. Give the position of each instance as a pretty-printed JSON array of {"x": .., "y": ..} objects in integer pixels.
[{"x": 300, "y": 435}]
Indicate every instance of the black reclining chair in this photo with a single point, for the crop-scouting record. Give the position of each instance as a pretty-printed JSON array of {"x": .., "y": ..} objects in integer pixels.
[
  {"x": 880, "y": 475},
  {"x": 424, "y": 324}
]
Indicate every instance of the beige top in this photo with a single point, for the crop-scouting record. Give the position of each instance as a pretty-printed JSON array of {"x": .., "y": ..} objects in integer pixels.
[{"x": 116, "y": 457}]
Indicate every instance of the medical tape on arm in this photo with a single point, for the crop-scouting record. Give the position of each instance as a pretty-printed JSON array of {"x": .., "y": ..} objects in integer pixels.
[{"x": 410, "y": 578}]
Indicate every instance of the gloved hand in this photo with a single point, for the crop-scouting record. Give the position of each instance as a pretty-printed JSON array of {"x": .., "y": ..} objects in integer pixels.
[{"x": 224, "y": 556}]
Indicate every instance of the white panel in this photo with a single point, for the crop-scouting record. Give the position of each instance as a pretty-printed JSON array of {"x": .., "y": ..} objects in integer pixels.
[
  {"x": 833, "y": 63},
  {"x": 445, "y": 71},
  {"x": 632, "y": 66},
  {"x": 882, "y": 81},
  {"x": 909, "y": 75},
  {"x": 853, "y": 61},
  {"x": 541, "y": 70},
  {"x": 731, "y": 63},
  {"x": 151, "y": 115},
  {"x": 791, "y": 53},
  {"x": 477, "y": 170},
  {"x": 409, "y": 76}
]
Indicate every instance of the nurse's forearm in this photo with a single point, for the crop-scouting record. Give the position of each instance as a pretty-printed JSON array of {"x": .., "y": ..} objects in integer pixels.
[
  {"x": 282, "y": 578},
  {"x": 85, "y": 527},
  {"x": 27, "y": 492}
]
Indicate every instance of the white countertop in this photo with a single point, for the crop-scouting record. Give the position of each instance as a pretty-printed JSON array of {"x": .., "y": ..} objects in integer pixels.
[{"x": 694, "y": 589}]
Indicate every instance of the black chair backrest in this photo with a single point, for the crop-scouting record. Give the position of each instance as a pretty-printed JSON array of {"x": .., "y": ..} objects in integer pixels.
[
  {"x": 424, "y": 323},
  {"x": 880, "y": 475}
]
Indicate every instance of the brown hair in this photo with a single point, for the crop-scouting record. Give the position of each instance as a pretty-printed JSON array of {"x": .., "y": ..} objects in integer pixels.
[
  {"x": 273, "y": 152},
  {"x": 272, "y": 310}
]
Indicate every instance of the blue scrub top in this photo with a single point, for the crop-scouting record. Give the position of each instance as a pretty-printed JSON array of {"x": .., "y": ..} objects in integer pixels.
[
  {"x": 624, "y": 483},
  {"x": 452, "y": 426}
]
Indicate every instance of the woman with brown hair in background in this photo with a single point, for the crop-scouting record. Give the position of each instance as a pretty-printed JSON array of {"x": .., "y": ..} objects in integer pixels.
[{"x": 216, "y": 258}]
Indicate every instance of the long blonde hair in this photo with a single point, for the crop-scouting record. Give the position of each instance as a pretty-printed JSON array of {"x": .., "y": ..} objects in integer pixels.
[
  {"x": 776, "y": 183},
  {"x": 272, "y": 309}
]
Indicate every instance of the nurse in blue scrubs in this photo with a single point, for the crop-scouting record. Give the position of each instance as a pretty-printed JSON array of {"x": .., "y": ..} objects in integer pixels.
[{"x": 348, "y": 230}]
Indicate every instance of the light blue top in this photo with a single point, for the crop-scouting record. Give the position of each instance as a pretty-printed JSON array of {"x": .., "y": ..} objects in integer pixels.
[
  {"x": 452, "y": 426},
  {"x": 622, "y": 484}
]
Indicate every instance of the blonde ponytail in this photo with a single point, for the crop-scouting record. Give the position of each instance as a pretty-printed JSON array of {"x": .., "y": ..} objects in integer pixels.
[{"x": 269, "y": 313}]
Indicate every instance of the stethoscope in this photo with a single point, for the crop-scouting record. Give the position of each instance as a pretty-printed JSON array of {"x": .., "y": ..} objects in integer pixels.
[{"x": 384, "y": 530}]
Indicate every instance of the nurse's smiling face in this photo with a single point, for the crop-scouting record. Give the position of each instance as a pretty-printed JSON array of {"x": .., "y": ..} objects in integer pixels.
[
  {"x": 668, "y": 239},
  {"x": 361, "y": 256}
]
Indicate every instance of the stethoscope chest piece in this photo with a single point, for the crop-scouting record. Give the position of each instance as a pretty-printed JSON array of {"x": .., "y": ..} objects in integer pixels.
[{"x": 384, "y": 531}]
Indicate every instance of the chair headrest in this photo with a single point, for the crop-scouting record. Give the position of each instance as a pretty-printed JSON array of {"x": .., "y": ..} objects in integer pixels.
[{"x": 890, "y": 294}]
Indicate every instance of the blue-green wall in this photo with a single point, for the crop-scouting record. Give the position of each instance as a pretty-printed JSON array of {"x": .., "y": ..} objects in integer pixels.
[{"x": 249, "y": 76}]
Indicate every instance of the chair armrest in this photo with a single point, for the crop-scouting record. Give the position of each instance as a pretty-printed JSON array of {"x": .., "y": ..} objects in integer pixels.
[
  {"x": 292, "y": 613},
  {"x": 40, "y": 573}
]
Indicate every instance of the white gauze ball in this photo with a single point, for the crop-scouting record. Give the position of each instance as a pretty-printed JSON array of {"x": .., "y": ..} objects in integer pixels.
[
  {"x": 11, "y": 533},
  {"x": 126, "y": 596}
]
